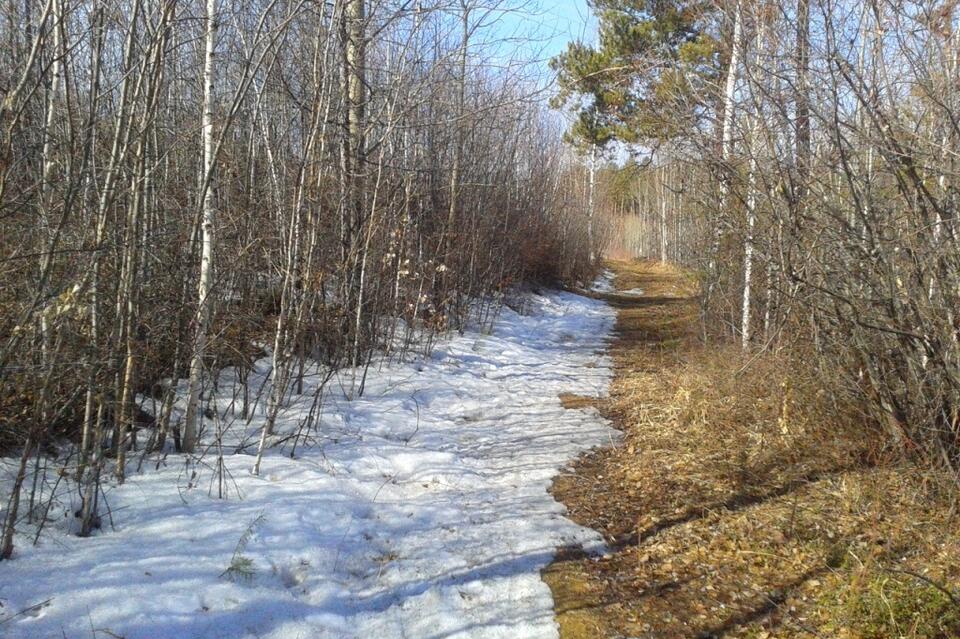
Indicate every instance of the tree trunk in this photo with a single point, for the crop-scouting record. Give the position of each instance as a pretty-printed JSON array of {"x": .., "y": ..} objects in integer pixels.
[
  {"x": 204, "y": 287},
  {"x": 726, "y": 142}
]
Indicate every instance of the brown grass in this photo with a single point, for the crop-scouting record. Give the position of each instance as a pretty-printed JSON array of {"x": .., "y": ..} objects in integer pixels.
[
  {"x": 573, "y": 401},
  {"x": 744, "y": 499}
]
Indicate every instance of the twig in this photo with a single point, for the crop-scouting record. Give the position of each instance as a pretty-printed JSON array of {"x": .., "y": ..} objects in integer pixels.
[{"x": 37, "y": 606}]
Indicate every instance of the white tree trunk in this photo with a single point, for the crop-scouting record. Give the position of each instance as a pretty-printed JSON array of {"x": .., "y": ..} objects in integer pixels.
[
  {"x": 726, "y": 139},
  {"x": 205, "y": 284},
  {"x": 663, "y": 215},
  {"x": 48, "y": 161},
  {"x": 751, "y": 198},
  {"x": 590, "y": 202},
  {"x": 726, "y": 149},
  {"x": 748, "y": 255}
]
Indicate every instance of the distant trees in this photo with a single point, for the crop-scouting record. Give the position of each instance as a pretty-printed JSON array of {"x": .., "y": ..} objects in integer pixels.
[
  {"x": 817, "y": 152},
  {"x": 186, "y": 182}
]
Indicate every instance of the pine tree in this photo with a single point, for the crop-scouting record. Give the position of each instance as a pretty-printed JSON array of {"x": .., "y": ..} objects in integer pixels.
[{"x": 652, "y": 57}]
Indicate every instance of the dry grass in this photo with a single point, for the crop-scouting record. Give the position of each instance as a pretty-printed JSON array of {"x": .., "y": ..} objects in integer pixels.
[
  {"x": 572, "y": 400},
  {"x": 744, "y": 500}
]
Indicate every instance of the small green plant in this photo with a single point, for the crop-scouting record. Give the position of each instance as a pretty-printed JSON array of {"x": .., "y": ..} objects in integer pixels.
[
  {"x": 888, "y": 606},
  {"x": 241, "y": 566}
]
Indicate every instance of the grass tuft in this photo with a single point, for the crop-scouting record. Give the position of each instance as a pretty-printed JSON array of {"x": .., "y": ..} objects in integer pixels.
[{"x": 880, "y": 606}]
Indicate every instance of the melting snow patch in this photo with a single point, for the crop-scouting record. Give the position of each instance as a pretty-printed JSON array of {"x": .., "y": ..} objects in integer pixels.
[
  {"x": 422, "y": 512},
  {"x": 604, "y": 283}
]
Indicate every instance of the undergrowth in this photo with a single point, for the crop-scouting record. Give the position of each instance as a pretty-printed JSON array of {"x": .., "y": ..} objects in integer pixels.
[{"x": 747, "y": 499}]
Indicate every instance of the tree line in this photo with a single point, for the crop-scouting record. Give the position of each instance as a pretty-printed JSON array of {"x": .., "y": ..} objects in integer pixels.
[
  {"x": 191, "y": 185},
  {"x": 813, "y": 145}
]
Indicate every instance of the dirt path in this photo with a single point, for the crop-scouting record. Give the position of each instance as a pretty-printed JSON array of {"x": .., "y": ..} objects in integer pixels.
[{"x": 654, "y": 321}]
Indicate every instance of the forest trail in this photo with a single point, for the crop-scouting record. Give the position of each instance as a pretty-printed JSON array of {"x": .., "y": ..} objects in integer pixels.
[{"x": 656, "y": 313}]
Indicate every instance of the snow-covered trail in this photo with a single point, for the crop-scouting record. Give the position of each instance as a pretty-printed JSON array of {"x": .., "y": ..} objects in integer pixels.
[{"x": 422, "y": 512}]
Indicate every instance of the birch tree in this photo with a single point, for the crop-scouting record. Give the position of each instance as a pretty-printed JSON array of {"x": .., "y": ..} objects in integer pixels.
[{"x": 208, "y": 225}]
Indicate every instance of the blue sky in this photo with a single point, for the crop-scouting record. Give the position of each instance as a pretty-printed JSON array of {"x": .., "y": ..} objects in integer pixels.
[
  {"x": 543, "y": 28},
  {"x": 565, "y": 20}
]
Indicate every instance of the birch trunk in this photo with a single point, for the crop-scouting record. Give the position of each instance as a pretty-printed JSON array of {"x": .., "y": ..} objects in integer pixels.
[
  {"x": 590, "y": 202},
  {"x": 204, "y": 287},
  {"x": 458, "y": 126},
  {"x": 726, "y": 140},
  {"x": 803, "y": 97},
  {"x": 663, "y": 215}
]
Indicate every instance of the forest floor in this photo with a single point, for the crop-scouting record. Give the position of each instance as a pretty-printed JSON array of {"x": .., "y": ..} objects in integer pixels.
[{"x": 744, "y": 500}]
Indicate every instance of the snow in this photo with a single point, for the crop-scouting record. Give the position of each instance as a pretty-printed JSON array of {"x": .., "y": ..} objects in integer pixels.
[
  {"x": 420, "y": 509},
  {"x": 604, "y": 283}
]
